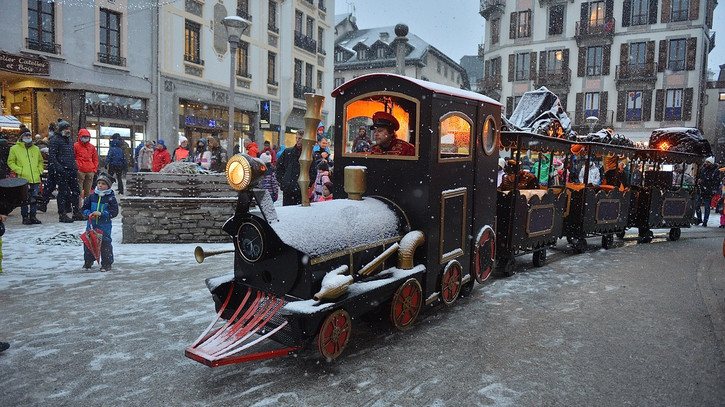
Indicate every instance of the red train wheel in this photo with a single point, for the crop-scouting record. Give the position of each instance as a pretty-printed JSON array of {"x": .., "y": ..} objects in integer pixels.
[
  {"x": 334, "y": 334},
  {"x": 451, "y": 282},
  {"x": 485, "y": 254},
  {"x": 407, "y": 302}
]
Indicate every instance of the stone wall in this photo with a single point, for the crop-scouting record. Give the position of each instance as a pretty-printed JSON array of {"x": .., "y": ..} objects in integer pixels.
[{"x": 176, "y": 208}]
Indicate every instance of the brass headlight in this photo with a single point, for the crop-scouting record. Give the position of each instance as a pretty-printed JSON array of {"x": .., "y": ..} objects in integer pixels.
[{"x": 243, "y": 171}]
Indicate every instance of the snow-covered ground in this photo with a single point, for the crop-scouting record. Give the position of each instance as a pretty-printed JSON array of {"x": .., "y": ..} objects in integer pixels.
[{"x": 91, "y": 338}]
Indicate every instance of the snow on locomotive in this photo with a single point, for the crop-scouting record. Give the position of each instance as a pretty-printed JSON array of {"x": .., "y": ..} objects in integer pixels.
[{"x": 414, "y": 228}]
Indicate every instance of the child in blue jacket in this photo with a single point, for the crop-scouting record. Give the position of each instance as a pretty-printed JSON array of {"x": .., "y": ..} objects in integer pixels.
[{"x": 100, "y": 207}]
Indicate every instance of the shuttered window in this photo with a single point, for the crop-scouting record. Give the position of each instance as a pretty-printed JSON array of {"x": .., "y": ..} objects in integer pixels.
[
  {"x": 523, "y": 64},
  {"x": 676, "y": 57},
  {"x": 673, "y": 104},
  {"x": 680, "y": 9}
]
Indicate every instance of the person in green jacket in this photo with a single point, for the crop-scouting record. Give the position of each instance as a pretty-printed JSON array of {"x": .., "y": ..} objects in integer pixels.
[{"x": 27, "y": 162}]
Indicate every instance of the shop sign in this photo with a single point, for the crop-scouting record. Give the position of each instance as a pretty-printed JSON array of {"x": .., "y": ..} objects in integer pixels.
[
  {"x": 202, "y": 122},
  {"x": 113, "y": 110},
  {"x": 24, "y": 65}
]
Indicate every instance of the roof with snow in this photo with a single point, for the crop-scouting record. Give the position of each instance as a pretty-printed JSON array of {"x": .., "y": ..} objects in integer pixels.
[{"x": 435, "y": 87}]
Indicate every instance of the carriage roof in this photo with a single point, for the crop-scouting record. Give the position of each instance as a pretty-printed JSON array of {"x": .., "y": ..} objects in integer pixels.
[{"x": 433, "y": 87}]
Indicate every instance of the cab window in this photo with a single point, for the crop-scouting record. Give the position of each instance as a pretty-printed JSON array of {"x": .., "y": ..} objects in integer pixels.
[
  {"x": 360, "y": 135},
  {"x": 454, "y": 131}
]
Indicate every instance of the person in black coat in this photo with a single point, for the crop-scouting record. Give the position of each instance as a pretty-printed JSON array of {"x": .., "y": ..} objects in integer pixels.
[
  {"x": 63, "y": 160},
  {"x": 288, "y": 172},
  {"x": 708, "y": 182}
]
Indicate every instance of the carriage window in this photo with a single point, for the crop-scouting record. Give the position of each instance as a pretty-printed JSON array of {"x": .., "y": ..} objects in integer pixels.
[
  {"x": 489, "y": 136},
  {"x": 381, "y": 125},
  {"x": 455, "y": 136}
]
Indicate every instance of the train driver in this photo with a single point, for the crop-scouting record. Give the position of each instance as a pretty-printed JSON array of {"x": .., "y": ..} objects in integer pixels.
[{"x": 386, "y": 142}]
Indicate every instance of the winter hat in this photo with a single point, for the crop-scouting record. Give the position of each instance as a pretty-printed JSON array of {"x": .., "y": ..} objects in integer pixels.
[
  {"x": 182, "y": 139},
  {"x": 107, "y": 179},
  {"x": 116, "y": 136},
  {"x": 710, "y": 160},
  {"x": 62, "y": 125},
  {"x": 84, "y": 132},
  {"x": 161, "y": 141},
  {"x": 558, "y": 165},
  {"x": 266, "y": 158},
  {"x": 329, "y": 185},
  {"x": 501, "y": 163},
  {"x": 323, "y": 166}
]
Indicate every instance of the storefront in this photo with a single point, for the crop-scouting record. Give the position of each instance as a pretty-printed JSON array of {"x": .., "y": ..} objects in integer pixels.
[
  {"x": 200, "y": 120},
  {"x": 106, "y": 115}
]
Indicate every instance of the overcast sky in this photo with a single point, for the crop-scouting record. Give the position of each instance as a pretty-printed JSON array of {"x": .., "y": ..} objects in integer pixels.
[{"x": 456, "y": 28}]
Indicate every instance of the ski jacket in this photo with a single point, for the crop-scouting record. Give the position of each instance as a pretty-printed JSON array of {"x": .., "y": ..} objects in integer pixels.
[
  {"x": 26, "y": 162},
  {"x": 86, "y": 156},
  {"x": 116, "y": 157},
  {"x": 61, "y": 153},
  {"x": 108, "y": 206}
]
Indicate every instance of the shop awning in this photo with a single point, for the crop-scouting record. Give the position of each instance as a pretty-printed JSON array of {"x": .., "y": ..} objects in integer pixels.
[{"x": 9, "y": 122}]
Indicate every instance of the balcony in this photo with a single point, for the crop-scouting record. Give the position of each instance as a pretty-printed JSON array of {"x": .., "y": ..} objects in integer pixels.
[
  {"x": 244, "y": 14},
  {"x": 595, "y": 33},
  {"x": 306, "y": 43},
  {"x": 580, "y": 125},
  {"x": 244, "y": 73},
  {"x": 553, "y": 78},
  {"x": 273, "y": 27},
  {"x": 490, "y": 83},
  {"x": 637, "y": 73},
  {"x": 111, "y": 59},
  {"x": 48, "y": 47},
  {"x": 481, "y": 51},
  {"x": 492, "y": 8},
  {"x": 321, "y": 6},
  {"x": 300, "y": 90}
]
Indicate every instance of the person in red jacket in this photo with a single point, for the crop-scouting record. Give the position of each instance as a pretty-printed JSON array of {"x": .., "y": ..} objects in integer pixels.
[
  {"x": 161, "y": 156},
  {"x": 273, "y": 153},
  {"x": 87, "y": 160},
  {"x": 251, "y": 148}
]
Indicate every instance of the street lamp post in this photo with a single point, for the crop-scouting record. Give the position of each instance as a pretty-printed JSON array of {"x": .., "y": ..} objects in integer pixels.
[{"x": 235, "y": 25}]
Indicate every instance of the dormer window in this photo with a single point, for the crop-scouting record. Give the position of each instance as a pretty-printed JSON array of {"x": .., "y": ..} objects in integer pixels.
[
  {"x": 381, "y": 53},
  {"x": 361, "y": 53}
]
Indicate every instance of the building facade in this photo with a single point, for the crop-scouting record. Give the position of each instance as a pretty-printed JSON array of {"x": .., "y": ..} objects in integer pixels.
[
  {"x": 373, "y": 50},
  {"x": 280, "y": 57},
  {"x": 632, "y": 65},
  {"x": 75, "y": 61}
]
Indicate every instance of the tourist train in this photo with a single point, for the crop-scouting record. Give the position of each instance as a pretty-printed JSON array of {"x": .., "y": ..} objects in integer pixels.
[{"x": 408, "y": 231}]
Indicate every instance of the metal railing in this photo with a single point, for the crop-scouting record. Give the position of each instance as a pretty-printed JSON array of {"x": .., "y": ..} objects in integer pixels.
[
  {"x": 489, "y": 7},
  {"x": 273, "y": 28},
  {"x": 111, "y": 59},
  {"x": 588, "y": 29},
  {"x": 41, "y": 46},
  {"x": 606, "y": 118},
  {"x": 490, "y": 82},
  {"x": 644, "y": 71},
  {"x": 553, "y": 77},
  {"x": 305, "y": 42},
  {"x": 193, "y": 59},
  {"x": 300, "y": 90}
]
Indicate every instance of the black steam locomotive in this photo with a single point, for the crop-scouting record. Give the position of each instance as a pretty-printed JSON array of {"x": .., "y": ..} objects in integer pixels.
[{"x": 405, "y": 230}]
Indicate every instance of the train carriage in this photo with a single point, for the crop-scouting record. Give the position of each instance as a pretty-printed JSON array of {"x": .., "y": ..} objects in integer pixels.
[
  {"x": 529, "y": 221},
  {"x": 597, "y": 210},
  {"x": 663, "y": 201}
]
